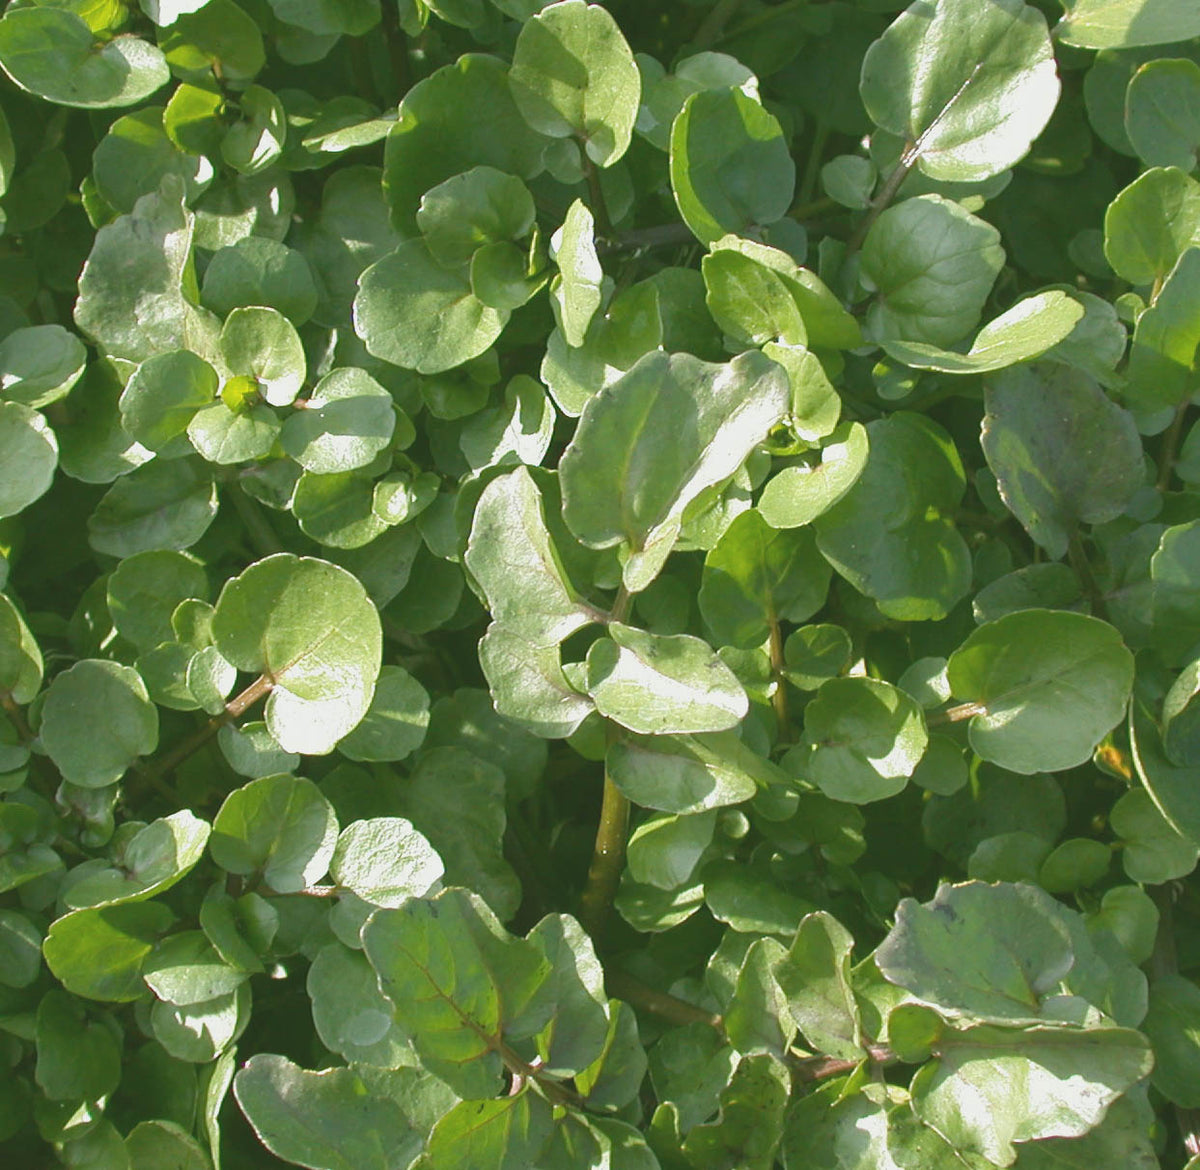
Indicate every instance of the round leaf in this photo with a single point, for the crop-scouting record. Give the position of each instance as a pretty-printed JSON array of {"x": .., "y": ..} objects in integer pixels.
[
  {"x": 96, "y": 721},
  {"x": 28, "y": 457},
  {"x": 1048, "y": 686}
]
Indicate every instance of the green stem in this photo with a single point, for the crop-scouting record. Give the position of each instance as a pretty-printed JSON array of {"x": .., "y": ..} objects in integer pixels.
[
  {"x": 1170, "y": 448},
  {"x": 883, "y": 200},
  {"x": 714, "y": 23},
  {"x": 608, "y": 860},
  {"x": 16, "y": 717},
  {"x": 258, "y": 527},
  {"x": 1164, "y": 962},
  {"x": 779, "y": 697},
  {"x": 661, "y": 235},
  {"x": 234, "y": 709},
  {"x": 1083, "y": 570},
  {"x": 808, "y": 184},
  {"x": 669, "y": 1007},
  {"x": 955, "y": 714},
  {"x": 604, "y": 226}
]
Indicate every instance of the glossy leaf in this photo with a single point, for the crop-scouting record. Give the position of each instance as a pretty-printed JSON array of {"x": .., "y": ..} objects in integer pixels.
[
  {"x": 573, "y": 75},
  {"x": 714, "y": 416},
  {"x": 967, "y": 89}
]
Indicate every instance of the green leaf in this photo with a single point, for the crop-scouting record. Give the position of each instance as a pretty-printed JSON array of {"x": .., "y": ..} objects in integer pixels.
[
  {"x": 399, "y": 295},
  {"x": 153, "y": 859},
  {"x": 481, "y": 206},
  {"x": 395, "y": 723},
  {"x": 1118, "y": 24},
  {"x": 867, "y": 739},
  {"x": 225, "y": 436},
  {"x": 185, "y": 969},
  {"x": 256, "y": 140},
  {"x": 384, "y": 860},
  {"x": 576, "y": 293},
  {"x": 688, "y": 773},
  {"x": 1162, "y": 362},
  {"x": 519, "y": 430},
  {"x": 994, "y": 1086},
  {"x": 161, "y": 398},
  {"x": 40, "y": 364},
  {"x": 310, "y": 627},
  {"x": 77, "y": 1058},
  {"x": 348, "y": 420},
  {"x": 931, "y": 265},
  {"x": 144, "y": 591},
  {"x": 815, "y": 976},
  {"x": 657, "y": 684},
  {"x": 1163, "y": 113},
  {"x": 329, "y": 1120},
  {"x": 1170, "y": 786},
  {"x": 460, "y": 116},
  {"x": 99, "y": 953},
  {"x": 573, "y": 75},
  {"x": 1063, "y": 453},
  {"x": 350, "y": 1013},
  {"x": 650, "y": 443},
  {"x": 51, "y": 52},
  {"x": 1046, "y": 686},
  {"x": 1150, "y": 224},
  {"x": 163, "y": 1143},
  {"x": 131, "y": 291},
  {"x": 132, "y": 158},
  {"x": 664, "y": 850},
  {"x": 747, "y": 1130},
  {"x": 279, "y": 827},
  {"x": 892, "y": 536},
  {"x": 730, "y": 165},
  {"x": 491, "y": 1135},
  {"x": 262, "y": 344},
  {"x": 1027, "y": 330},
  {"x": 97, "y": 719},
  {"x": 1171, "y": 1024},
  {"x": 457, "y": 801},
  {"x": 755, "y": 576},
  {"x": 512, "y": 556},
  {"x": 797, "y": 494},
  {"x": 813, "y": 654},
  {"x": 160, "y": 505},
  {"x": 528, "y": 684},
  {"x": 980, "y": 952},
  {"x": 967, "y": 89},
  {"x": 816, "y": 406},
  {"x": 259, "y": 271},
  {"x": 30, "y": 456},
  {"x": 460, "y": 984},
  {"x": 1153, "y": 851}
]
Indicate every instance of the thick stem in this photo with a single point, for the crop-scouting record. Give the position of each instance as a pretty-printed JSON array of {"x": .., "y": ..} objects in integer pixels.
[
  {"x": 812, "y": 168},
  {"x": 608, "y": 860},
  {"x": 1170, "y": 448},
  {"x": 955, "y": 714},
  {"x": 677, "y": 1011}
]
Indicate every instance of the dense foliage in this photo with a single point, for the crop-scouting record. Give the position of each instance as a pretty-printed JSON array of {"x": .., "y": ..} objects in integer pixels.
[{"x": 599, "y": 586}]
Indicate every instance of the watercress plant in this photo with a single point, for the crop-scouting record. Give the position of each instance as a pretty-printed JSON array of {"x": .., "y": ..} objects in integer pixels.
[{"x": 599, "y": 586}]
